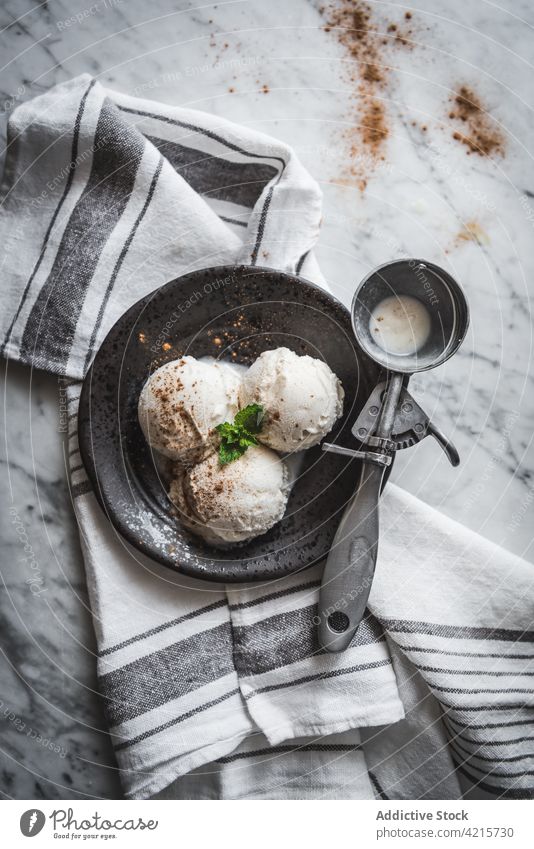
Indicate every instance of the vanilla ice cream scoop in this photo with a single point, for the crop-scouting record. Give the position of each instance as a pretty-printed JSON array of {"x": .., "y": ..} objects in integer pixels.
[
  {"x": 182, "y": 402},
  {"x": 235, "y": 502},
  {"x": 301, "y": 397}
]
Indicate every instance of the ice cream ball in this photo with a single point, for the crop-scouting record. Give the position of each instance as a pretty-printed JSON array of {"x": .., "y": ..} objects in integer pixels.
[
  {"x": 301, "y": 396},
  {"x": 182, "y": 402},
  {"x": 231, "y": 503}
]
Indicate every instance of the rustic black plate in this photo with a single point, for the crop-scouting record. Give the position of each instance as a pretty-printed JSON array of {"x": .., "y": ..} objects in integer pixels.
[{"x": 234, "y": 313}]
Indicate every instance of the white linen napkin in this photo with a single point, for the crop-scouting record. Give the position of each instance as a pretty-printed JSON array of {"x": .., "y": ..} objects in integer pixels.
[{"x": 105, "y": 198}]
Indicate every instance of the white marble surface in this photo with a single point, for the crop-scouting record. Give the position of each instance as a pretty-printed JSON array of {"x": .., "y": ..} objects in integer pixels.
[{"x": 217, "y": 58}]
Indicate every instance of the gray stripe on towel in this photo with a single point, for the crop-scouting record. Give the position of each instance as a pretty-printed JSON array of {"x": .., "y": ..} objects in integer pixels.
[
  {"x": 242, "y": 605},
  {"x": 208, "y": 133},
  {"x": 457, "y": 631},
  {"x": 68, "y": 184},
  {"x": 231, "y": 146},
  {"x": 498, "y": 673},
  {"x": 118, "y": 264},
  {"x": 286, "y": 638},
  {"x": 319, "y": 676},
  {"x": 273, "y": 751},
  {"x": 499, "y": 792},
  {"x": 157, "y": 678},
  {"x": 506, "y": 656},
  {"x": 164, "y": 625},
  {"x": 51, "y": 325},
  {"x": 187, "y": 715},
  {"x": 79, "y": 489},
  {"x": 475, "y": 752},
  {"x": 235, "y": 182}
]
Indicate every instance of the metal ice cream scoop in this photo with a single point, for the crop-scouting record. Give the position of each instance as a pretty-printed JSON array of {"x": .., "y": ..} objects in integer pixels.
[{"x": 390, "y": 420}]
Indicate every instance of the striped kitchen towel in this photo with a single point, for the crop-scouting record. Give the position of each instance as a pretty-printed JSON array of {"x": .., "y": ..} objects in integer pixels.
[{"x": 216, "y": 692}]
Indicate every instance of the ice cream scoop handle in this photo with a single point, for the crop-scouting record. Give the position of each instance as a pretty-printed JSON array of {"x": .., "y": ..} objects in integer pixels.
[{"x": 350, "y": 565}]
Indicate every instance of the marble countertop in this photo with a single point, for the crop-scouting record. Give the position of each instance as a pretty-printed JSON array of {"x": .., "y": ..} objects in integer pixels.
[{"x": 407, "y": 187}]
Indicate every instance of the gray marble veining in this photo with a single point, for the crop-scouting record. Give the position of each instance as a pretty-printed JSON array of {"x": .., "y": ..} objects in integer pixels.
[{"x": 273, "y": 67}]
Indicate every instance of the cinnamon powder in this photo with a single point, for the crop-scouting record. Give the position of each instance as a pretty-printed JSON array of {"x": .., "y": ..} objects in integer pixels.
[
  {"x": 479, "y": 134},
  {"x": 370, "y": 44}
]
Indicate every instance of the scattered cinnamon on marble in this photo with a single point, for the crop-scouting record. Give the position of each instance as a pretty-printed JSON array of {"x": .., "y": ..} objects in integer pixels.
[
  {"x": 477, "y": 130},
  {"x": 371, "y": 43},
  {"x": 472, "y": 231}
]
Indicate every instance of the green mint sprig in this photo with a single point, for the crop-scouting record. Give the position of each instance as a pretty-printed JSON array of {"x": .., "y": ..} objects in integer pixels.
[{"x": 238, "y": 436}]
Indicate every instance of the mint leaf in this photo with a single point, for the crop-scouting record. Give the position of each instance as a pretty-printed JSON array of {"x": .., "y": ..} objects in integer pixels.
[
  {"x": 247, "y": 440},
  {"x": 227, "y": 431},
  {"x": 236, "y": 437},
  {"x": 250, "y": 418},
  {"x": 228, "y": 452}
]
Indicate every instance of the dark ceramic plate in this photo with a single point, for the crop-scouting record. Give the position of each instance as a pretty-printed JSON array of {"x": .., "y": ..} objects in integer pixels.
[{"x": 232, "y": 313}]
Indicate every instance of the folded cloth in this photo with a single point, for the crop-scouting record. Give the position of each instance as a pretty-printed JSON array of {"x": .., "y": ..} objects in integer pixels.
[
  {"x": 105, "y": 198},
  {"x": 324, "y": 768}
]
